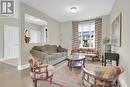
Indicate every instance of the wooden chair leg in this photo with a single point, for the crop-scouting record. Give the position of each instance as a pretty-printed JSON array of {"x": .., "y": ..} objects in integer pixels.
[
  {"x": 35, "y": 83},
  {"x": 51, "y": 79},
  {"x": 83, "y": 82}
]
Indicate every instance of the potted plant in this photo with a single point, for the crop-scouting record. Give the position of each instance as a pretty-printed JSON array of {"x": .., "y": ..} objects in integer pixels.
[
  {"x": 26, "y": 38},
  {"x": 107, "y": 45}
]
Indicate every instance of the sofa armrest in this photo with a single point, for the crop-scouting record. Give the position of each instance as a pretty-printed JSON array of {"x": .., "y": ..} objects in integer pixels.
[{"x": 39, "y": 55}]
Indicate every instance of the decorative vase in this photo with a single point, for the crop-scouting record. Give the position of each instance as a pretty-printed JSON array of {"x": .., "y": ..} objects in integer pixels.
[
  {"x": 69, "y": 52},
  {"x": 107, "y": 48}
]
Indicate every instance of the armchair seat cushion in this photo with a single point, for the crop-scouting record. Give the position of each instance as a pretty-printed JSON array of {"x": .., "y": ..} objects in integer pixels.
[
  {"x": 41, "y": 75},
  {"x": 102, "y": 76}
]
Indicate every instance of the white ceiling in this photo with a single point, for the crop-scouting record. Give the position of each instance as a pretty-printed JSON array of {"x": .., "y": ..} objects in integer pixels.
[
  {"x": 59, "y": 9},
  {"x": 35, "y": 20}
]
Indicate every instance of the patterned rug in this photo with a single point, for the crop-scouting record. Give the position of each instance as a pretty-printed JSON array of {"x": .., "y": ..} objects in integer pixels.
[{"x": 65, "y": 77}]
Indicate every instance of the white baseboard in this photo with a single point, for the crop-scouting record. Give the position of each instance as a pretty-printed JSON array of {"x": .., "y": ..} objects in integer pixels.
[
  {"x": 3, "y": 59},
  {"x": 123, "y": 83},
  {"x": 22, "y": 67}
]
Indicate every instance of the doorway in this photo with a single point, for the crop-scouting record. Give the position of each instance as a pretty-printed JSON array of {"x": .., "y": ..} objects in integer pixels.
[{"x": 11, "y": 45}]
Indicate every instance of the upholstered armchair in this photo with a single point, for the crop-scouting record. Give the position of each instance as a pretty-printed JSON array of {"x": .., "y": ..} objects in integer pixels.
[
  {"x": 102, "y": 76},
  {"x": 40, "y": 71}
]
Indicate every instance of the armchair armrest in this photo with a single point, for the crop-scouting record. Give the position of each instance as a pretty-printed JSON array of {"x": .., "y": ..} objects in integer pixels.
[
  {"x": 43, "y": 65},
  {"x": 89, "y": 75},
  {"x": 38, "y": 70}
]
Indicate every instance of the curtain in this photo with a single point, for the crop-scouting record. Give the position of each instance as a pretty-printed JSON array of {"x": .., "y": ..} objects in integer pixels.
[
  {"x": 98, "y": 34},
  {"x": 75, "y": 41}
]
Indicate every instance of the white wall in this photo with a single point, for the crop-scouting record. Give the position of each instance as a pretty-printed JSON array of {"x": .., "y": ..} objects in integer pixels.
[
  {"x": 1, "y": 41},
  {"x": 32, "y": 26},
  {"x": 53, "y": 30},
  {"x": 5, "y": 21},
  {"x": 124, "y": 51},
  {"x": 11, "y": 42}
]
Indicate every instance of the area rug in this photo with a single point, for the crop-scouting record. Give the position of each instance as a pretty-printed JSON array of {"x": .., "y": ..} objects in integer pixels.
[
  {"x": 67, "y": 77},
  {"x": 64, "y": 77}
]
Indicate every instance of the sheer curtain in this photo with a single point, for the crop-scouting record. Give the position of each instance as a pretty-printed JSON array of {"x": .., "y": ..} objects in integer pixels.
[{"x": 87, "y": 34}]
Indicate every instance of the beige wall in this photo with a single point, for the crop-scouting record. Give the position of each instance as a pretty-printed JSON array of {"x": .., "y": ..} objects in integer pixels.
[
  {"x": 124, "y": 51},
  {"x": 66, "y": 34},
  {"x": 106, "y": 26},
  {"x": 53, "y": 31}
]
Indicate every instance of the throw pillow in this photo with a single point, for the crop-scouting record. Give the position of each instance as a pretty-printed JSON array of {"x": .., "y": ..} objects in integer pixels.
[{"x": 60, "y": 49}]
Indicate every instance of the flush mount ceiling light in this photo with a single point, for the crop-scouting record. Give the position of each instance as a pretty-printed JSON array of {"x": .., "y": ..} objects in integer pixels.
[
  {"x": 73, "y": 9},
  {"x": 34, "y": 19}
]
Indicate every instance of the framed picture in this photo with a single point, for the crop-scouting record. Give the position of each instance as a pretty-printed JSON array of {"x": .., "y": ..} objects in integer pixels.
[{"x": 116, "y": 31}]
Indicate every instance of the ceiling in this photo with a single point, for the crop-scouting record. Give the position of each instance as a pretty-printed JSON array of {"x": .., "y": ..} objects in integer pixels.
[
  {"x": 59, "y": 9},
  {"x": 35, "y": 20}
]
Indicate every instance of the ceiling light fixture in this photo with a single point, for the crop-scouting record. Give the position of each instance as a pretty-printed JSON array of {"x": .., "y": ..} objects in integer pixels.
[
  {"x": 35, "y": 19},
  {"x": 73, "y": 9}
]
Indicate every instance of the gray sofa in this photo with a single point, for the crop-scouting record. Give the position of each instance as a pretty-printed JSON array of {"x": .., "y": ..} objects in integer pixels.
[{"x": 50, "y": 54}]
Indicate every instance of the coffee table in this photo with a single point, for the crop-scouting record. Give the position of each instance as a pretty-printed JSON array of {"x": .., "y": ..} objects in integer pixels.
[{"x": 76, "y": 60}]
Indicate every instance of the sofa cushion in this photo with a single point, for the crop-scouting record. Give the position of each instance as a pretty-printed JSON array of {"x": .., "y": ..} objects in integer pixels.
[
  {"x": 44, "y": 48},
  {"x": 52, "y": 57},
  {"x": 49, "y": 49},
  {"x": 39, "y": 48},
  {"x": 57, "y": 55},
  {"x": 53, "y": 49},
  {"x": 60, "y": 49}
]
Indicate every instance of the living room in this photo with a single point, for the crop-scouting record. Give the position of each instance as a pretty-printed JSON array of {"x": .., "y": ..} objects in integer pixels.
[{"x": 59, "y": 26}]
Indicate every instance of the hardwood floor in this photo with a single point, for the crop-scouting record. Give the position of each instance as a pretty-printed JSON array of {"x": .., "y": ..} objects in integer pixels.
[
  {"x": 12, "y": 62},
  {"x": 11, "y": 77}
]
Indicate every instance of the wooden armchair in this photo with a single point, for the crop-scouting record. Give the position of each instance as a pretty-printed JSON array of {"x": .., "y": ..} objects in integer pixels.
[
  {"x": 40, "y": 71},
  {"x": 101, "y": 76}
]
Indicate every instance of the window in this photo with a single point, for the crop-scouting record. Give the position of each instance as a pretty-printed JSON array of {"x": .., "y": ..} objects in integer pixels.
[
  {"x": 86, "y": 34},
  {"x": 35, "y": 36}
]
